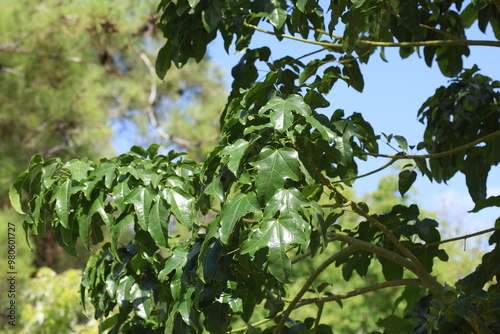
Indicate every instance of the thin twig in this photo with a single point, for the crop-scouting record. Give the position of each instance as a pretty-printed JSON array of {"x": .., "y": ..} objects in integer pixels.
[
  {"x": 149, "y": 110},
  {"x": 362, "y": 291},
  {"x": 318, "y": 317},
  {"x": 367, "y": 174},
  {"x": 437, "y": 155},
  {"x": 493, "y": 229}
]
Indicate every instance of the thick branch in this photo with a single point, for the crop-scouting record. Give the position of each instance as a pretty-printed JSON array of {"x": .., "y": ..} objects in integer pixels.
[{"x": 343, "y": 253}]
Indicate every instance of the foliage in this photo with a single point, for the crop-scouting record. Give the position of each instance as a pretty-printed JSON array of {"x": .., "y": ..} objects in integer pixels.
[
  {"x": 49, "y": 305},
  {"x": 219, "y": 241},
  {"x": 73, "y": 68}
]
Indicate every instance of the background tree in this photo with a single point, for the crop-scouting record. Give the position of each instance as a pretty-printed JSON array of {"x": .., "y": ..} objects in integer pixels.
[
  {"x": 75, "y": 70},
  {"x": 70, "y": 75},
  {"x": 254, "y": 209}
]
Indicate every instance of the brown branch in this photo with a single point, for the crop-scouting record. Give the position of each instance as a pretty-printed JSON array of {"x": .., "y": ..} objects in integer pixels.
[
  {"x": 369, "y": 247},
  {"x": 493, "y": 229},
  {"x": 149, "y": 110},
  {"x": 318, "y": 316},
  {"x": 437, "y": 155},
  {"x": 343, "y": 253},
  {"x": 452, "y": 42},
  {"x": 362, "y": 291},
  {"x": 430, "y": 282},
  {"x": 350, "y": 294},
  {"x": 367, "y": 174}
]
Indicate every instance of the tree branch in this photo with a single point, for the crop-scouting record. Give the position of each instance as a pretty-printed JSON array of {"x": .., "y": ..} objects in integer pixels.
[
  {"x": 452, "y": 42},
  {"x": 318, "y": 316},
  {"x": 493, "y": 229},
  {"x": 149, "y": 110},
  {"x": 437, "y": 155},
  {"x": 343, "y": 253},
  {"x": 362, "y": 291},
  {"x": 350, "y": 294},
  {"x": 369, "y": 247},
  {"x": 367, "y": 174}
]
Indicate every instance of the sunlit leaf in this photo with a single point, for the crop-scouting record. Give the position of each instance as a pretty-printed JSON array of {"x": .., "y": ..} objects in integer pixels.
[
  {"x": 236, "y": 208},
  {"x": 274, "y": 167}
]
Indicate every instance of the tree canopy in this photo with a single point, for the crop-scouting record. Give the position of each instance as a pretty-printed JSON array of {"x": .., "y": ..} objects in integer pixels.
[{"x": 219, "y": 242}]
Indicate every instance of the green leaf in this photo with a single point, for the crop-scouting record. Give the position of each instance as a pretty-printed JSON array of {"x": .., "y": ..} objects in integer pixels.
[
  {"x": 117, "y": 228},
  {"x": 391, "y": 270},
  {"x": 485, "y": 203},
  {"x": 236, "y": 208},
  {"x": 182, "y": 206},
  {"x": 285, "y": 201},
  {"x": 215, "y": 189},
  {"x": 141, "y": 198},
  {"x": 351, "y": 69},
  {"x": 15, "y": 193},
  {"x": 277, "y": 235},
  {"x": 276, "y": 10},
  {"x": 140, "y": 151},
  {"x": 193, "y": 3},
  {"x": 274, "y": 167},
  {"x": 395, "y": 325},
  {"x": 98, "y": 206},
  {"x": 343, "y": 145},
  {"x": 410, "y": 15},
  {"x": 78, "y": 168},
  {"x": 62, "y": 202},
  {"x": 355, "y": 21},
  {"x": 282, "y": 110},
  {"x": 158, "y": 222},
  {"x": 402, "y": 142},
  {"x": 358, "y": 3},
  {"x": 175, "y": 262},
  {"x": 141, "y": 299},
  {"x": 164, "y": 60},
  {"x": 84, "y": 226},
  {"x": 107, "y": 171},
  {"x": 406, "y": 179},
  {"x": 211, "y": 16},
  {"x": 235, "y": 152},
  {"x": 476, "y": 170}
]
